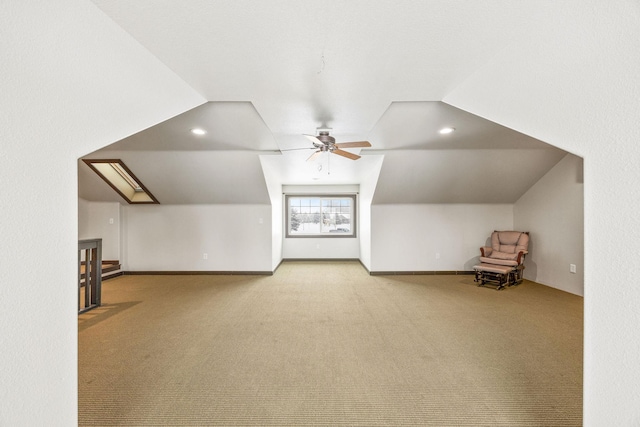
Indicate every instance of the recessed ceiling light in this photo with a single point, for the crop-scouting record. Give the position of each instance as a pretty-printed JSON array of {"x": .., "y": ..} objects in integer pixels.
[
  {"x": 447, "y": 130},
  {"x": 198, "y": 131}
]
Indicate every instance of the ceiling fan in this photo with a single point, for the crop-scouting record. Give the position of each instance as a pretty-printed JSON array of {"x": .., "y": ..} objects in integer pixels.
[{"x": 323, "y": 142}]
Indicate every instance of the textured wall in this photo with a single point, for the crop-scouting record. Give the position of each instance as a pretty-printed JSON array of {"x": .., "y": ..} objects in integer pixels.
[
  {"x": 176, "y": 237},
  {"x": 408, "y": 237},
  {"x": 553, "y": 212},
  {"x": 101, "y": 220},
  {"x": 71, "y": 82},
  {"x": 572, "y": 86}
]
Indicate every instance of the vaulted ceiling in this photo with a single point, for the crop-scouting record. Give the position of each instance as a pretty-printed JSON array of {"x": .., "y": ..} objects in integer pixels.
[{"x": 273, "y": 71}]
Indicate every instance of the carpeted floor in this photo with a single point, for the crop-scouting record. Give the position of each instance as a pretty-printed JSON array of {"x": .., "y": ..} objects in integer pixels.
[{"x": 324, "y": 343}]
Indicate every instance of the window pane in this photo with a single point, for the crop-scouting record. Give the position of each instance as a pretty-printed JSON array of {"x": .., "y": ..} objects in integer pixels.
[
  {"x": 294, "y": 220},
  {"x": 328, "y": 216}
]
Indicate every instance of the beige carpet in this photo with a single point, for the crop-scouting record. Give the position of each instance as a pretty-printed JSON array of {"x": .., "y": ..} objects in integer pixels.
[{"x": 324, "y": 343}]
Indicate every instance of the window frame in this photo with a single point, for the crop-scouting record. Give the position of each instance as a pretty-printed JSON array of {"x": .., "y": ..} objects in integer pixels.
[{"x": 287, "y": 216}]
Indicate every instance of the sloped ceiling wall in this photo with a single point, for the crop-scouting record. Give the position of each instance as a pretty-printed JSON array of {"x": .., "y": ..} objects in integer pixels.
[
  {"x": 461, "y": 176},
  {"x": 178, "y": 167},
  {"x": 481, "y": 162},
  {"x": 185, "y": 177}
]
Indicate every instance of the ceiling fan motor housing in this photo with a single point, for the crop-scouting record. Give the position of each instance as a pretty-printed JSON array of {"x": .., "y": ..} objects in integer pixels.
[
  {"x": 325, "y": 138},
  {"x": 323, "y": 143}
]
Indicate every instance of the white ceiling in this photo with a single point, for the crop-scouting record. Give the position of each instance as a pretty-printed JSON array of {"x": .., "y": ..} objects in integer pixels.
[{"x": 375, "y": 70}]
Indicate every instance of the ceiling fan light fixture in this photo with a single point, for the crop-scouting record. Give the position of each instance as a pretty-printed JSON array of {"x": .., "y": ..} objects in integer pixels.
[
  {"x": 325, "y": 143},
  {"x": 447, "y": 130},
  {"x": 198, "y": 131}
]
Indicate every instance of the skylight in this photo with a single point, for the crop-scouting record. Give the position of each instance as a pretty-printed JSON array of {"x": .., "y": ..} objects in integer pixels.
[{"x": 119, "y": 177}]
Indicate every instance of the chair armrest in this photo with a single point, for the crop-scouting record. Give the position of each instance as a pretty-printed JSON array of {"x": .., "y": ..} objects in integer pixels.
[
  {"x": 521, "y": 255},
  {"x": 485, "y": 251}
]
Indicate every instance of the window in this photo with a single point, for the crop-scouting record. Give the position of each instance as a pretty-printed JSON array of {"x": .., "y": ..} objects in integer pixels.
[
  {"x": 321, "y": 216},
  {"x": 121, "y": 179}
]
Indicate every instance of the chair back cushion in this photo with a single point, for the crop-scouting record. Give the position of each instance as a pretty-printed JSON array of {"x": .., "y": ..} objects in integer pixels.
[{"x": 509, "y": 242}]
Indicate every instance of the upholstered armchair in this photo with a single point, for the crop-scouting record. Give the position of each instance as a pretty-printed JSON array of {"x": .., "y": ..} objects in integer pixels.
[{"x": 502, "y": 263}]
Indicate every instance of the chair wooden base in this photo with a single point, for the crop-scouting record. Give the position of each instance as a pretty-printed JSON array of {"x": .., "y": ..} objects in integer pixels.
[{"x": 498, "y": 275}]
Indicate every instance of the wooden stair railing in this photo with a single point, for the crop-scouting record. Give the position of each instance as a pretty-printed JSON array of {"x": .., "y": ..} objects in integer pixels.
[{"x": 89, "y": 278}]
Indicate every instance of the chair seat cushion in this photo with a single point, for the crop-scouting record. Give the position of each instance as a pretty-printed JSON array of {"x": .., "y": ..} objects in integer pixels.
[
  {"x": 503, "y": 255},
  {"x": 493, "y": 268},
  {"x": 498, "y": 261}
]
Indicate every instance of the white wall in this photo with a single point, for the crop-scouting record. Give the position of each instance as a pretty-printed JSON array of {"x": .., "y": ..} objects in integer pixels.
[
  {"x": 71, "y": 82},
  {"x": 572, "y": 85},
  {"x": 175, "y": 238},
  {"x": 101, "y": 220},
  {"x": 83, "y": 218},
  {"x": 277, "y": 223},
  {"x": 277, "y": 230},
  {"x": 367, "y": 191},
  {"x": 311, "y": 248},
  {"x": 365, "y": 232},
  {"x": 330, "y": 248},
  {"x": 408, "y": 237},
  {"x": 552, "y": 211}
]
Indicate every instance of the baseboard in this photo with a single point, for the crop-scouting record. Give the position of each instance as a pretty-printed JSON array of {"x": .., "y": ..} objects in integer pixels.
[
  {"x": 277, "y": 266},
  {"x": 422, "y": 273},
  {"x": 112, "y": 275},
  {"x": 271, "y": 273},
  {"x": 384, "y": 273},
  {"x": 198, "y": 273},
  {"x": 364, "y": 266},
  {"x": 319, "y": 259}
]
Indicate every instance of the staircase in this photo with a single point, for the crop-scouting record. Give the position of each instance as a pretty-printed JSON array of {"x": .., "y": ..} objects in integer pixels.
[{"x": 110, "y": 269}]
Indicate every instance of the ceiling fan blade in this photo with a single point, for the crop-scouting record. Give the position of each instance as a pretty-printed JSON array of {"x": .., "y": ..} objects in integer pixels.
[
  {"x": 353, "y": 144},
  {"x": 296, "y": 149},
  {"x": 346, "y": 154},
  {"x": 315, "y": 140},
  {"x": 313, "y": 156}
]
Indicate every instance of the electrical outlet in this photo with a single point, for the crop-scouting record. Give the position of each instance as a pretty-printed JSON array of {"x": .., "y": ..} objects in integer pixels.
[
  {"x": 205, "y": 256},
  {"x": 260, "y": 220},
  {"x": 110, "y": 220},
  {"x": 572, "y": 268},
  {"x": 318, "y": 246},
  {"x": 437, "y": 255}
]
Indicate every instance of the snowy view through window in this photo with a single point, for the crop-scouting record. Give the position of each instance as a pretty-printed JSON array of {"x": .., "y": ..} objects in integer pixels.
[{"x": 325, "y": 215}]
